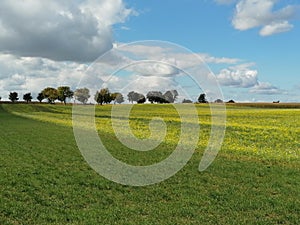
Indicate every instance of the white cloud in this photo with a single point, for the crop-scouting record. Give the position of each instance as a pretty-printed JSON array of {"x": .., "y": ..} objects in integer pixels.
[
  {"x": 259, "y": 13},
  {"x": 25, "y": 74},
  {"x": 274, "y": 28},
  {"x": 238, "y": 76},
  {"x": 178, "y": 59},
  {"x": 160, "y": 72},
  {"x": 153, "y": 68},
  {"x": 144, "y": 84},
  {"x": 265, "y": 88},
  {"x": 77, "y": 30}
]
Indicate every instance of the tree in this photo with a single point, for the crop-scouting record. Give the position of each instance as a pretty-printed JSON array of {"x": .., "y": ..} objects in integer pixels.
[
  {"x": 13, "y": 96},
  {"x": 0, "y": 98},
  {"x": 170, "y": 96},
  {"x": 64, "y": 92},
  {"x": 51, "y": 94},
  {"x": 140, "y": 98},
  {"x": 187, "y": 101},
  {"x": 136, "y": 97},
  {"x": 103, "y": 96},
  {"x": 117, "y": 97},
  {"x": 113, "y": 97},
  {"x": 219, "y": 101},
  {"x": 202, "y": 98},
  {"x": 40, "y": 97},
  {"x": 155, "y": 96},
  {"x": 130, "y": 96},
  {"x": 27, "y": 97},
  {"x": 231, "y": 101},
  {"x": 82, "y": 95}
]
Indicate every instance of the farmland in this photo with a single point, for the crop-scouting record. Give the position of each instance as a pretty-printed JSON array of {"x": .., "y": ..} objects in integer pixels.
[{"x": 254, "y": 179}]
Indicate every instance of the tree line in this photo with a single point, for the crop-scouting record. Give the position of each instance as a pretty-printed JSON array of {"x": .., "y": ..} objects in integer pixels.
[{"x": 104, "y": 96}]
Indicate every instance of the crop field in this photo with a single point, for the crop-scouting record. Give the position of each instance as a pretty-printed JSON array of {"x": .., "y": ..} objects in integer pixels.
[{"x": 255, "y": 178}]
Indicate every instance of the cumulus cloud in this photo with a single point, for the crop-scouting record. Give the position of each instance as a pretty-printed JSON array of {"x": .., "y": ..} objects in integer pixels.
[
  {"x": 153, "y": 68},
  {"x": 156, "y": 67},
  {"x": 238, "y": 76},
  {"x": 26, "y": 74},
  {"x": 259, "y": 13},
  {"x": 142, "y": 84},
  {"x": 79, "y": 30},
  {"x": 266, "y": 88},
  {"x": 160, "y": 69},
  {"x": 274, "y": 28}
]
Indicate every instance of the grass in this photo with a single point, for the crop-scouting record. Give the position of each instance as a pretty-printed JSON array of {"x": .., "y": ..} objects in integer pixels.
[
  {"x": 45, "y": 180},
  {"x": 268, "y": 105}
]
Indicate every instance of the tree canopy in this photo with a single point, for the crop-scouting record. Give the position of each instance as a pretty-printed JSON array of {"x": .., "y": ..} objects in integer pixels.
[
  {"x": 170, "y": 96},
  {"x": 27, "y": 97},
  {"x": 136, "y": 97},
  {"x": 103, "y": 96},
  {"x": 82, "y": 95},
  {"x": 51, "y": 94},
  {"x": 156, "y": 96},
  {"x": 218, "y": 100},
  {"x": 202, "y": 98},
  {"x": 130, "y": 96},
  {"x": 64, "y": 92},
  {"x": 187, "y": 101},
  {"x": 117, "y": 97},
  {"x": 40, "y": 97},
  {"x": 140, "y": 98},
  {"x": 13, "y": 96}
]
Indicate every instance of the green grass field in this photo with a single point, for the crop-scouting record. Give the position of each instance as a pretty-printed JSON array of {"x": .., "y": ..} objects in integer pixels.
[{"x": 255, "y": 178}]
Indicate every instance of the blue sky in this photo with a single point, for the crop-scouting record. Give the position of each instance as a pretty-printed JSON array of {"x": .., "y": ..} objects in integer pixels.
[
  {"x": 251, "y": 46},
  {"x": 206, "y": 26}
]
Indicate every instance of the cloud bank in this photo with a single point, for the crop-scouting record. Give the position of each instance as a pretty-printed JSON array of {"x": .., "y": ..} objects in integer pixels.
[
  {"x": 27, "y": 74},
  {"x": 77, "y": 30}
]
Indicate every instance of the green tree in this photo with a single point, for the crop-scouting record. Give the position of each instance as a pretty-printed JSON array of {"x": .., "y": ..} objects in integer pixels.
[
  {"x": 27, "y": 97},
  {"x": 170, "y": 96},
  {"x": 155, "y": 96},
  {"x": 136, "y": 97},
  {"x": 219, "y": 100},
  {"x": 82, "y": 95},
  {"x": 103, "y": 96},
  {"x": 187, "y": 101},
  {"x": 113, "y": 97},
  {"x": 130, "y": 96},
  {"x": 140, "y": 98},
  {"x": 51, "y": 94},
  {"x": 64, "y": 92},
  {"x": 119, "y": 98},
  {"x": 40, "y": 97},
  {"x": 13, "y": 96},
  {"x": 202, "y": 98}
]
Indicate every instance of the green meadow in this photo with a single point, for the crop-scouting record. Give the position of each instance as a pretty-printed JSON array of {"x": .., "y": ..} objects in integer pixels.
[{"x": 255, "y": 178}]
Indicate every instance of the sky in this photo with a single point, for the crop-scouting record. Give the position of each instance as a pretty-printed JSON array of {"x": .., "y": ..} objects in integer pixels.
[{"x": 250, "y": 48}]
